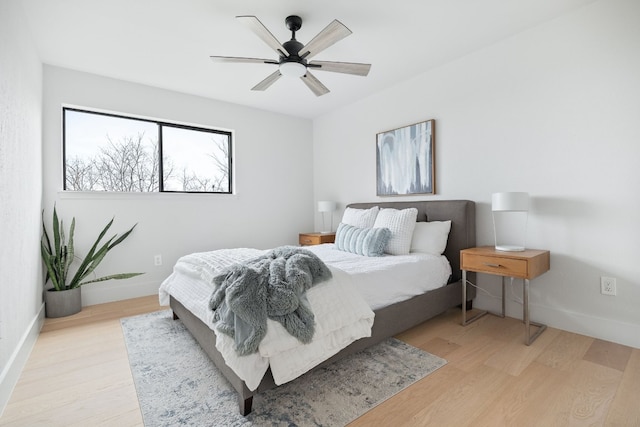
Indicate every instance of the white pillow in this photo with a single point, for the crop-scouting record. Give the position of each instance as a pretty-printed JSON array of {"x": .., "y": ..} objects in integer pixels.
[
  {"x": 401, "y": 223},
  {"x": 430, "y": 237},
  {"x": 361, "y": 218}
]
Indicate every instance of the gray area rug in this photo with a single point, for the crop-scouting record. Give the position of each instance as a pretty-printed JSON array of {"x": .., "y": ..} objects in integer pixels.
[{"x": 178, "y": 385}]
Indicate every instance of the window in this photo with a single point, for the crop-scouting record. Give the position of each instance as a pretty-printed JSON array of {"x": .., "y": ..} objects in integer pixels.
[{"x": 110, "y": 152}]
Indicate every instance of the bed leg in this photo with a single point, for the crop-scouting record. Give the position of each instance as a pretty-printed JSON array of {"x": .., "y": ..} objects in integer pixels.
[
  {"x": 245, "y": 405},
  {"x": 175, "y": 316},
  {"x": 469, "y": 304}
]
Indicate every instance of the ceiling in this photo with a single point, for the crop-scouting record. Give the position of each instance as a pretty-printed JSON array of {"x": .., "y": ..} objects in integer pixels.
[{"x": 167, "y": 43}]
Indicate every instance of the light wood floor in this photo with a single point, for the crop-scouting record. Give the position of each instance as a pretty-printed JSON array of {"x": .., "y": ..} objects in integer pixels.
[{"x": 78, "y": 375}]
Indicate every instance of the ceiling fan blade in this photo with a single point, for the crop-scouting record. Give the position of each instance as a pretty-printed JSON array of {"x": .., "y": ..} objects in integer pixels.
[
  {"x": 314, "y": 84},
  {"x": 332, "y": 33},
  {"x": 341, "y": 67},
  {"x": 261, "y": 31},
  {"x": 241, "y": 59},
  {"x": 271, "y": 79}
]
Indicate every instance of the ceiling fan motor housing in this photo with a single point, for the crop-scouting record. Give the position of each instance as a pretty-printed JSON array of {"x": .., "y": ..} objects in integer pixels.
[{"x": 293, "y": 46}]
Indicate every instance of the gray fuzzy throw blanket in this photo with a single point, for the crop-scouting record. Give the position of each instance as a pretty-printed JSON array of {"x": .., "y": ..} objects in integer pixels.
[{"x": 270, "y": 286}]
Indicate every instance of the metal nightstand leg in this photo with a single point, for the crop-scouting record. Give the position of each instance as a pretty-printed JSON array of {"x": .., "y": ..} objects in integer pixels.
[
  {"x": 503, "y": 304},
  {"x": 527, "y": 322},
  {"x": 465, "y": 322}
]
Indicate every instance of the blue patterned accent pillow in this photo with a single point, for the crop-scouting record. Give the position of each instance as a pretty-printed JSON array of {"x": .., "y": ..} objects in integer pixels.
[{"x": 362, "y": 241}]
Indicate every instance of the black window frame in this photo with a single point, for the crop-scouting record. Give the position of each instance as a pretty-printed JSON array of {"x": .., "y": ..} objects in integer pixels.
[{"x": 160, "y": 124}]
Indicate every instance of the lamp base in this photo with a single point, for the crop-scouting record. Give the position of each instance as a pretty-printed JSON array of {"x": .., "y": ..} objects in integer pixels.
[
  {"x": 509, "y": 248},
  {"x": 325, "y": 232}
]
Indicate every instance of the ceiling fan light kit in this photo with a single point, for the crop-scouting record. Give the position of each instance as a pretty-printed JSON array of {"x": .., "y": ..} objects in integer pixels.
[
  {"x": 292, "y": 69},
  {"x": 293, "y": 56}
]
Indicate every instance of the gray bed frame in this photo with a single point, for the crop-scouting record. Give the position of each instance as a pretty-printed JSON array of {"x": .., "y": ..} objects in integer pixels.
[{"x": 390, "y": 320}]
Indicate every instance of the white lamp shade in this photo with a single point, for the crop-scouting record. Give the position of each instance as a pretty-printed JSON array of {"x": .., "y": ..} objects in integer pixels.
[
  {"x": 510, "y": 202},
  {"x": 510, "y": 212},
  {"x": 326, "y": 206}
]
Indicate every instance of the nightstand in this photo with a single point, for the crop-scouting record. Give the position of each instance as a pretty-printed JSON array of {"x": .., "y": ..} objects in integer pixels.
[
  {"x": 524, "y": 265},
  {"x": 308, "y": 239}
]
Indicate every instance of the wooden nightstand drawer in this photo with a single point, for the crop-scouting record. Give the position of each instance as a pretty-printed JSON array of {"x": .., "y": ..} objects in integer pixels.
[
  {"x": 494, "y": 265},
  {"x": 306, "y": 239},
  {"x": 526, "y": 264}
]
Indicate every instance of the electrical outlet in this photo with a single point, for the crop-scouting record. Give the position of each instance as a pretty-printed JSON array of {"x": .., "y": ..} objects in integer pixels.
[
  {"x": 157, "y": 260},
  {"x": 607, "y": 285}
]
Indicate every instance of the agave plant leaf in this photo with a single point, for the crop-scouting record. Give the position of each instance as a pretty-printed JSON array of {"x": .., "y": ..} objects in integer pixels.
[
  {"x": 119, "y": 276},
  {"x": 70, "y": 250},
  {"x": 45, "y": 235},
  {"x": 124, "y": 236},
  {"x": 49, "y": 258},
  {"x": 56, "y": 233},
  {"x": 49, "y": 261},
  {"x": 92, "y": 259},
  {"x": 84, "y": 268}
]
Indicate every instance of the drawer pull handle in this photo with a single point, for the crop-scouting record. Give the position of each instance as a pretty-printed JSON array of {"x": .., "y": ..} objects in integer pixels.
[{"x": 488, "y": 264}]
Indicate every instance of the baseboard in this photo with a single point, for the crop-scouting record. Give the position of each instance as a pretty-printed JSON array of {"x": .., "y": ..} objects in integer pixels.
[
  {"x": 591, "y": 326},
  {"x": 11, "y": 373},
  {"x": 580, "y": 323},
  {"x": 117, "y": 290}
]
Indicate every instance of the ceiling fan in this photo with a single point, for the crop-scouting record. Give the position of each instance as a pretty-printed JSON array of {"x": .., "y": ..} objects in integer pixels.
[{"x": 294, "y": 57}]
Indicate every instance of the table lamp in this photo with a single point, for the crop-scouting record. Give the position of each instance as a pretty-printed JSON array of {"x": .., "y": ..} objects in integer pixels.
[
  {"x": 323, "y": 207},
  {"x": 510, "y": 214}
]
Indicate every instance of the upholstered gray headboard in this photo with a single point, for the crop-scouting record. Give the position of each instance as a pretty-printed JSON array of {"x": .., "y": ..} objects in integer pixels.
[{"x": 462, "y": 214}]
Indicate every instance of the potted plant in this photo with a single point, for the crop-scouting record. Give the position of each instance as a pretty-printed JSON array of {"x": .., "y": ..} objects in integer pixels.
[{"x": 64, "y": 298}]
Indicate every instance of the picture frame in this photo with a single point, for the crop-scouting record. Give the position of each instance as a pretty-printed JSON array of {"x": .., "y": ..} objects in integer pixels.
[{"x": 405, "y": 160}]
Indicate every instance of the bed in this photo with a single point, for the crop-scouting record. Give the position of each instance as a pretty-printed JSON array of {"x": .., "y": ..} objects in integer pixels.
[{"x": 389, "y": 320}]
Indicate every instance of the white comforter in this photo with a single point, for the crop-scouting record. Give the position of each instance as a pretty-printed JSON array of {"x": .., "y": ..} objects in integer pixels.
[
  {"x": 342, "y": 316},
  {"x": 385, "y": 280}
]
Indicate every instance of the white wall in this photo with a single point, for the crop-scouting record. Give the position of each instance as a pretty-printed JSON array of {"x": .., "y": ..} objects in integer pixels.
[
  {"x": 20, "y": 195},
  {"x": 553, "y": 111},
  {"x": 271, "y": 205}
]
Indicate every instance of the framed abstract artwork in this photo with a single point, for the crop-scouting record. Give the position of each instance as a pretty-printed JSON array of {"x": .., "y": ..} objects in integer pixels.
[{"x": 405, "y": 160}]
